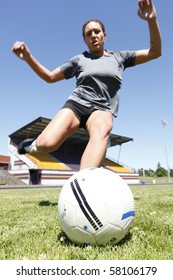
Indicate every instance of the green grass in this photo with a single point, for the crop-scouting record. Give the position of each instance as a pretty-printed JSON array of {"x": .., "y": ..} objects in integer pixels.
[
  {"x": 30, "y": 230},
  {"x": 2, "y": 181},
  {"x": 158, "y": 180}
]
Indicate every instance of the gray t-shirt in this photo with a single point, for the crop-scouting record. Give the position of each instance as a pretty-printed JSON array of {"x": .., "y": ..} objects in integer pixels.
[{"x": 98, "y": 78}]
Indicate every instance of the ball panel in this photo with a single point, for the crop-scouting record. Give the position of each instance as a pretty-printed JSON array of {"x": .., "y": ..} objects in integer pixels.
[
  {"x": 108, "y": 233},
  {"x": 80, "y": 236},
  {"x": 66, "y": 213}
]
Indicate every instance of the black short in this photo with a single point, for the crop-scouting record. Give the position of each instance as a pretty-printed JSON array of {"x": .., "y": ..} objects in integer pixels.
[{"x": 81, "y": 112}]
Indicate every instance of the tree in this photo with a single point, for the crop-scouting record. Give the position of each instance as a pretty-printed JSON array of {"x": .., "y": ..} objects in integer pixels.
[
  {"x": 171, "y": 172},
  {"x": 161, "y": 172}
]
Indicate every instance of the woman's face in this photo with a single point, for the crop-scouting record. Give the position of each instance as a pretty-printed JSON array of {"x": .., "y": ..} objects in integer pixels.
[{"x": 95, "y": 38}]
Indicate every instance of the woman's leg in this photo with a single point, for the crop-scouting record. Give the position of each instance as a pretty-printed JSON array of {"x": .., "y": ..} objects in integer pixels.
[
  {"x": 60, "y": 127},
  {"x": 57, "y": 131},
  {"x": 99, "y": 126}
]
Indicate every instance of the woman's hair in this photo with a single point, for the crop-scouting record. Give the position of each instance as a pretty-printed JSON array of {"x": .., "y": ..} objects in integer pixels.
[{"x": 88, "y": 21}]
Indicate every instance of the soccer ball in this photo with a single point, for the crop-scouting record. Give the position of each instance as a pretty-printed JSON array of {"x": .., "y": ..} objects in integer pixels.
[{"x": 96, "y": 206}]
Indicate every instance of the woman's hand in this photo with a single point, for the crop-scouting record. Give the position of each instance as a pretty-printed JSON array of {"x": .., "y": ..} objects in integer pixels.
[
  {"x": 21, "y": 50},
  {"x": 146, "y": 10}
]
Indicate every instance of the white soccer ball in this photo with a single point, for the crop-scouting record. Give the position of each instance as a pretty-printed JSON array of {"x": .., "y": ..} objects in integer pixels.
[{"x": 96, "y": 206}]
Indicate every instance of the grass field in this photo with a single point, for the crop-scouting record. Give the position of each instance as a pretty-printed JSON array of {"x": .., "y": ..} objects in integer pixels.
[{"x": 30, "y": 230}]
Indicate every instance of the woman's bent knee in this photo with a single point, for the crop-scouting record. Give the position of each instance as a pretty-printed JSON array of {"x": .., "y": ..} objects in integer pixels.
[{"x": 46, "y": 144}]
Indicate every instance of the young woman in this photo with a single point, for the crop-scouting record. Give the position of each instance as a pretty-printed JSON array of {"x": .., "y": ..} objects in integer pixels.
[{"x": 94, "y": 101}]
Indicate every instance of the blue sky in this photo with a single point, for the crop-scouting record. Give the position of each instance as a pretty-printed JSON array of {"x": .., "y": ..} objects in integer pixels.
[{"x": 52, "y": 31}]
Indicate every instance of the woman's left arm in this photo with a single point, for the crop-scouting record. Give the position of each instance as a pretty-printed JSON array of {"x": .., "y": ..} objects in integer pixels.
[{"x": 147, "y": 12}]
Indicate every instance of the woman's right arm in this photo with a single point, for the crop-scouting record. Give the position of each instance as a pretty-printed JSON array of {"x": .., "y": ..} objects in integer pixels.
[{"x": 22, "y": 51}]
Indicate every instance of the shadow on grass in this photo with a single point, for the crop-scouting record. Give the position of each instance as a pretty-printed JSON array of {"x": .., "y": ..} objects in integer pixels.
[{"x": 47, "y": 203}]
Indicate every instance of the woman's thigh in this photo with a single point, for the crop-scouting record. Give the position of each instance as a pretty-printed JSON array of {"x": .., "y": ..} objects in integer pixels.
[
  {"x": 100, "y": 123},
  {"x": 60, "y": 127}
]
